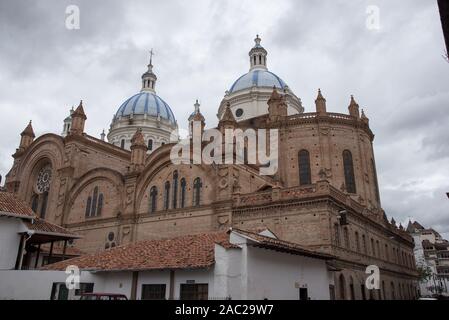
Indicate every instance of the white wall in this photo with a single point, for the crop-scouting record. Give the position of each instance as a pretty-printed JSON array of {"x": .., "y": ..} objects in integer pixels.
[
  {"x": 9, "y": 241},
  {"x": 275, "y": 275},
  {"x": 35, "y": 285}
]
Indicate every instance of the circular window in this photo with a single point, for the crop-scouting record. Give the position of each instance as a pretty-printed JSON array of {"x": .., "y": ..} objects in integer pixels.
[
  {"x": 239, "y": 112},
  {"x": 43, "y": 179},
  {"x": 111, "y": 236}
]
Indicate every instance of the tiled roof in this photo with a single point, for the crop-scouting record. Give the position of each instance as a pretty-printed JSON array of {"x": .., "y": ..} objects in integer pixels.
[
  {"x": 281, "y": 245},
  {"x": 186, "y": 252},
  {"x": 10, "y": 205},
  {"x": 69, "y": 251},
  {"x": 41, "y": 226}
]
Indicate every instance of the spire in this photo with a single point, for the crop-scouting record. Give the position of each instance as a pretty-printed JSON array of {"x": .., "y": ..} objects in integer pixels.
[
  {"x": 196, "y": 116},
  {"x": 149, "y": 78},
  {"x": 27, "y": 137},
  {"x": 320, "y": 103},
  {"x": 258, "y": 56},
  {"x": 228, "y": 116},
  {"x": 354, "y": 108},
  {"x": 28, "y": 131},
  {"x": 364, "y": 118},
  {"x": 275, "y": 96},
  {"x": 79, "y": 112},
  {"x": 277, "y": 108},
  {"x": 138, "y": 151},
  {"x": 138, "y": 139},
  {"x": 78, "y": 120}
]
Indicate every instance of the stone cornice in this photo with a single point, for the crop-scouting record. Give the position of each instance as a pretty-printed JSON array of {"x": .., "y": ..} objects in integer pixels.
[{"x": 99, "y": 144}]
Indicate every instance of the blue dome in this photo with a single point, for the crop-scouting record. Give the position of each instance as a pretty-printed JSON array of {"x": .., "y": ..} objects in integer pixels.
[
  {"x": 146, "y": 103},
  {"x": 258, "y": 78}
]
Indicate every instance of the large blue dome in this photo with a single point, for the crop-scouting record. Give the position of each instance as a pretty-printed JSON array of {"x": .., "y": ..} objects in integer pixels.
[
  {"x": 146, "y": 103},
  {"x": 258, "y": 78}
]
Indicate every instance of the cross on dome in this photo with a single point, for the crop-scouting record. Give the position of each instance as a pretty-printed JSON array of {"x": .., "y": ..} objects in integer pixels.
[{"x": 149, "y": 78}]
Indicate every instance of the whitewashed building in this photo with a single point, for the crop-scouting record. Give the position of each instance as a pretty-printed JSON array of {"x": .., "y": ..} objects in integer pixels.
[{"x": 236, "y": 264}]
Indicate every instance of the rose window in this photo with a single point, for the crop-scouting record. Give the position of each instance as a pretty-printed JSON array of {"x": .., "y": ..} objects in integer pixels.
[{"x": 44, "y": 180}]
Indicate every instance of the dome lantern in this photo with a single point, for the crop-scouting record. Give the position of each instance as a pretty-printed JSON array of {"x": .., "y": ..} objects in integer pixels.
[
  {"x": 258, "y": 56},
  {"x": 149, "y": 78}
]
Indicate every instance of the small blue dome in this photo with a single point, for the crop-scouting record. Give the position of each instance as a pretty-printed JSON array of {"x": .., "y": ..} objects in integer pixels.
[
  {"x": 146, "y": 103},
  {"x": 258, "y": 78}
]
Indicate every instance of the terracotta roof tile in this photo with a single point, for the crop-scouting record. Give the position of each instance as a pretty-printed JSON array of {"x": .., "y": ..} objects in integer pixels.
[
  {"x": 282, "y": 245},
  {"x": 41, "y": 226},
  {"x": 9, "y": 204},
  {"x": 186, "y": 252}
]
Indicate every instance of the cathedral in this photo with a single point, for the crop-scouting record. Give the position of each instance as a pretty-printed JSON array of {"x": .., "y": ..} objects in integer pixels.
[{"x": 123, "y": 187}]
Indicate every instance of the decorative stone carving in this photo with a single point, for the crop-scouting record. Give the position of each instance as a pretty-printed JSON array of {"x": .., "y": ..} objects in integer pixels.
[{"x": 44, "y": 179}]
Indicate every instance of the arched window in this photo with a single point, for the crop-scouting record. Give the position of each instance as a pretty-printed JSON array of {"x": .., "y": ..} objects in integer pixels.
[
  {"x": 100, "y": 204},
  {"x": 197, "y": 191},
  {"x": 337, "y": 234},
  {"x": 88, "y": 206},
  {"x": 34, "y": 202},
  {"x": 175, "y": 189},
  {"x": 351, "y": 289},
  {"x": 304, "y": 168},
  {"x": 378, "y": 249},
  {"x": 183, "y": 193},
  {"x": 167, "y": 196},
  {"x": 122, "y": 144},
  {"x": 357, "y": 241},
  {"x": 393, "y": 294},
  {"x": 342, "y": 285},
  {"x": 364, "y": 243},
  {"x": 93, "y": 211},
  {"x": 349, "y": 171},
  {"x": 346, "y": 237},
  {"x": 94, "y": 204},
  {"x": 153, "y": 199},
  {"x": 44, "y": 204},
  {"x": 150, "y": 144},
  {"x": 260, "y": 59},
  {"x": 373, "y": 248},
  {"x": 387, "y": 254}
]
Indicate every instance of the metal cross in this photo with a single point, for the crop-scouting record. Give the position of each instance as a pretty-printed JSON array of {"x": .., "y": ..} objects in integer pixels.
[{"x": 151, "y": 55}]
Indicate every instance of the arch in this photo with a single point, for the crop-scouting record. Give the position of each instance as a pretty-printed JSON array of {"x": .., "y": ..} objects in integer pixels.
[
  {"x": 351, "y": 288},
  {"x": 153, "y": 199},
  {"x": 167, "y": 195},
  {"x": 175, "y": 189},
  {"x": 392, "y": 291},
  {"x": 357, "y": 241},
  {"x": 342, "y": 287},
  {"x": 348, "y": 167},
  {"x": 159, "y": 161},
  {"x": 305, "y": 177},
  {"x": 183, "y": 193},
  {"x": 197, "y": 185},
  {"x": 90, "y": 177}
]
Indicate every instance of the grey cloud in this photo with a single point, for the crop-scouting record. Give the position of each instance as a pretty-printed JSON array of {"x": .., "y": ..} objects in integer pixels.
[{"x": 397, "y": 73}]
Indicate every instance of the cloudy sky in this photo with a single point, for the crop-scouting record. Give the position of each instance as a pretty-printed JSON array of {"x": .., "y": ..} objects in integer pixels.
[{"x": 396, "y": 72}]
